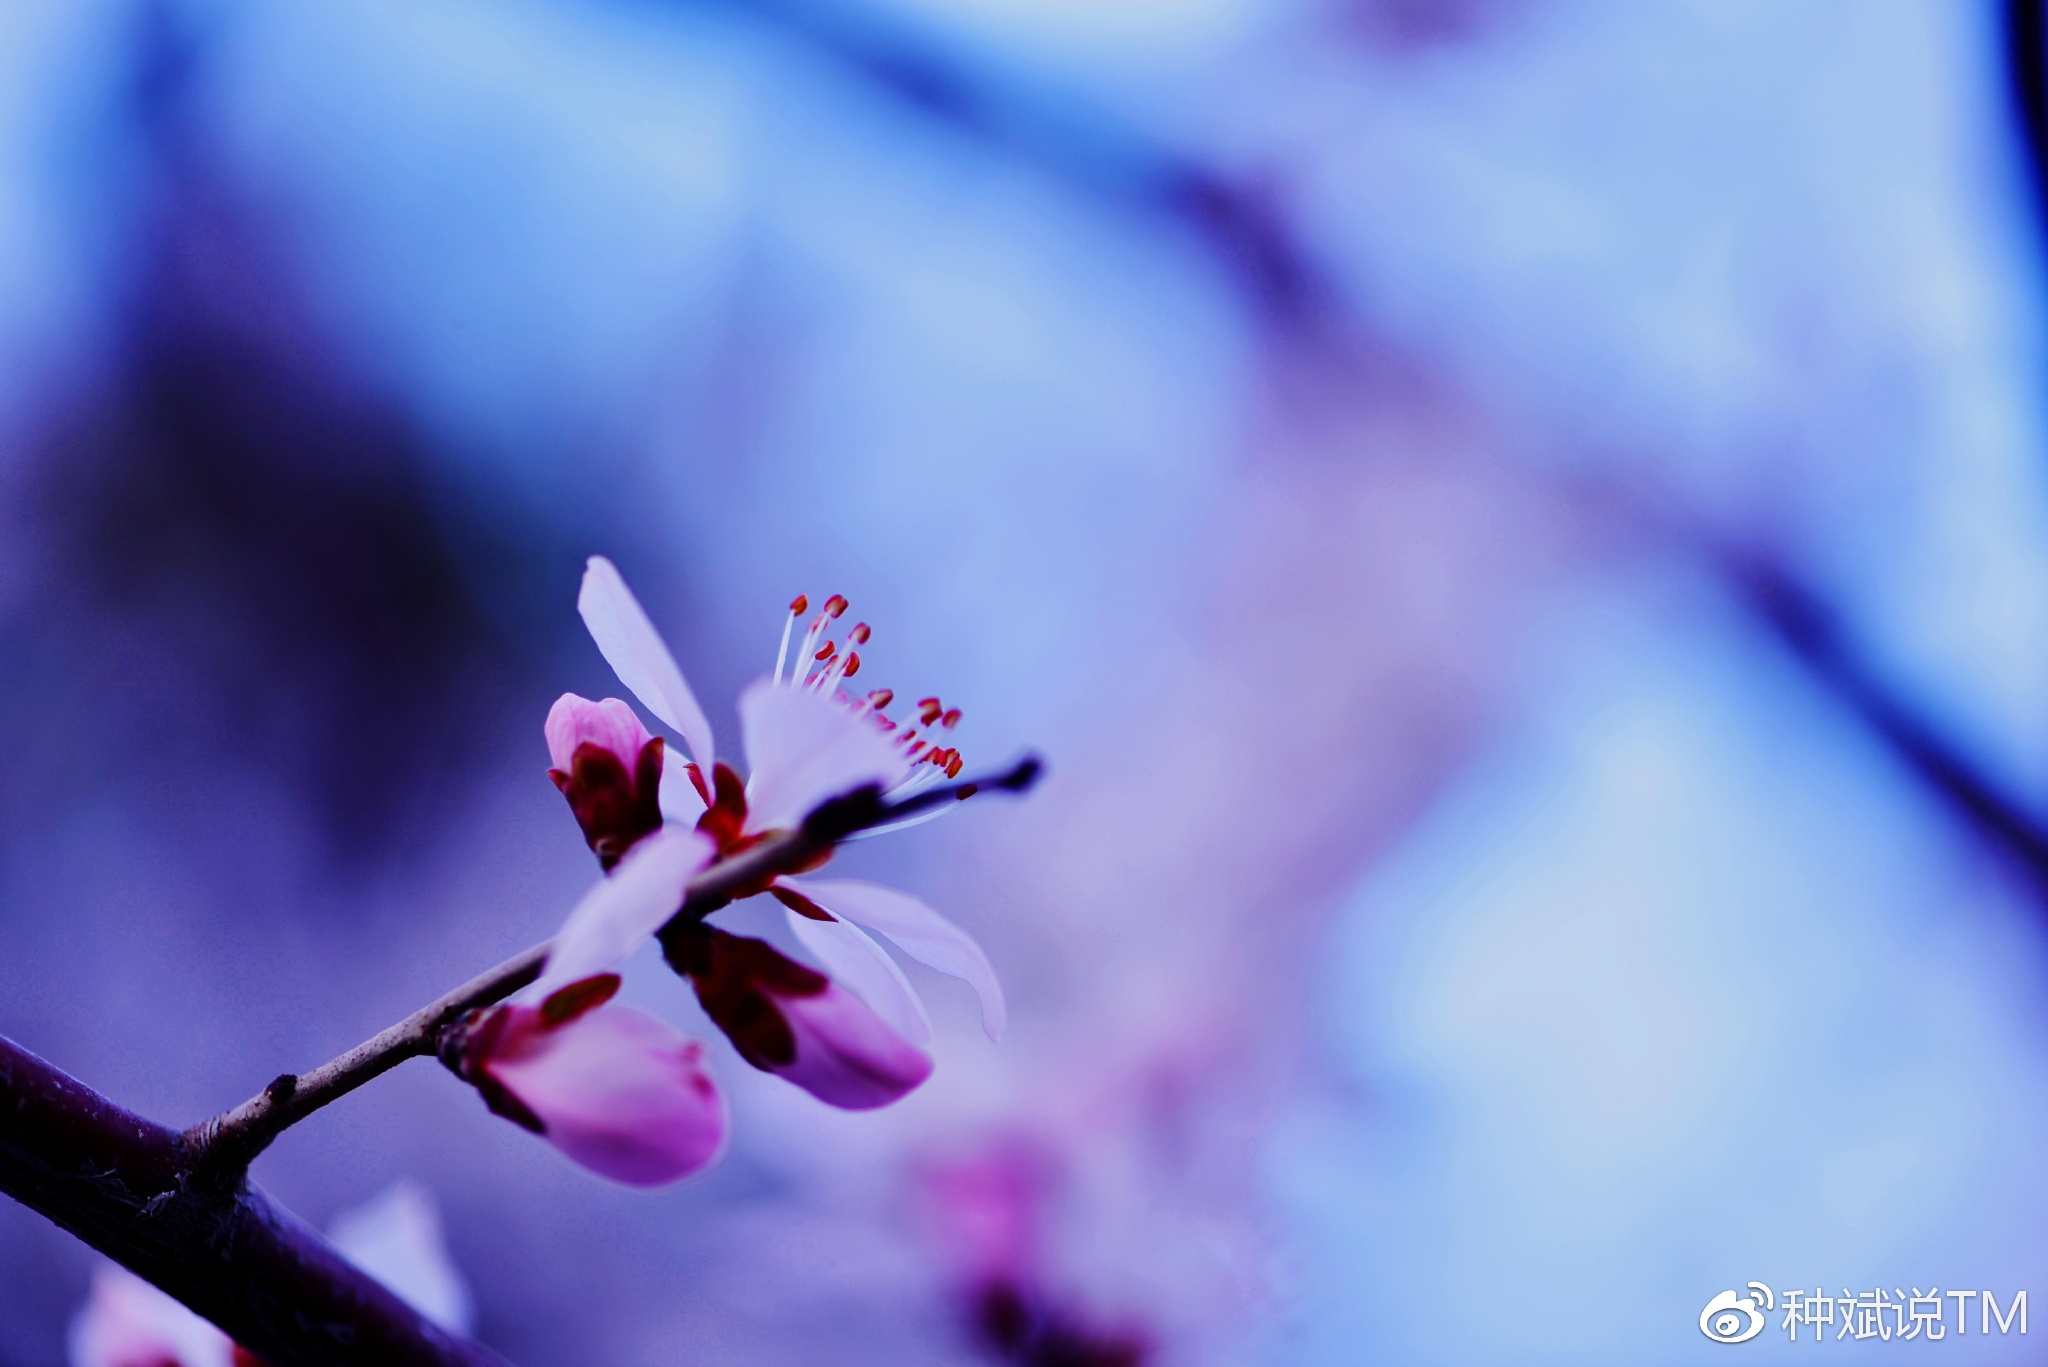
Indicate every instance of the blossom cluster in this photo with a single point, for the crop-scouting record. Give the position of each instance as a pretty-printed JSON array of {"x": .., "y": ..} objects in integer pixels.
[{"x": 625, "y": 1094}]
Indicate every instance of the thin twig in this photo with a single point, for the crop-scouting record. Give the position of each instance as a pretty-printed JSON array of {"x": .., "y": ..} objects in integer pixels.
[{"x": 219, "y": 1150}]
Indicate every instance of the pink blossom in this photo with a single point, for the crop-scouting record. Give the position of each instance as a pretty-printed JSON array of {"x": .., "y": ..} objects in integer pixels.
[
  {"x": 616, "y": 1090},
  {"x": 609, "y": 769},
  {"x": 807, "y": 741},
  {"x": 788, "y": 1020}
]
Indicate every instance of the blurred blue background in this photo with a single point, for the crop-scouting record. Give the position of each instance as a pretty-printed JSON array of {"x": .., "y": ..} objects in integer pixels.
[{"x": 1519, "y": 525}]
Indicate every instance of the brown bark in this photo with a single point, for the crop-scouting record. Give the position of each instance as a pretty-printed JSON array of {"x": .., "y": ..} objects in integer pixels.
[{"x": 120, "y": 1183}]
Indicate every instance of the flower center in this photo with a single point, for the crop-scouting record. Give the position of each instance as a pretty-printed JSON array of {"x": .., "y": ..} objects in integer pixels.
[{"x": 823, "y": 664}]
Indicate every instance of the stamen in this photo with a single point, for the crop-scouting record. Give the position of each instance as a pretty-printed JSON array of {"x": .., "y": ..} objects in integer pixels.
[
  {"x": 835, "y": 605},
  {"x": 859, "y": 635},
  {"x": 951, "y": 719},
  {"x": 881, "y": 698},
  {"x": 810, "y": 641},
  {"x": 825, "y": 651},
  {"x": 929, "y": 710},
  {"x": 796, "y": 610},
  {"x": 828, "y": 679}
]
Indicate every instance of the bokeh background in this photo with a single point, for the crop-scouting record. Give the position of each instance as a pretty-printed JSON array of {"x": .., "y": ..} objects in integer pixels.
[{"x": 1519, "y": 526}]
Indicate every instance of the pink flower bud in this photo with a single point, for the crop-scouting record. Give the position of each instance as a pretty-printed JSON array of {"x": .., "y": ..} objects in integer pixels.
[
  {"x": 616, "y": 1090},
  {"x": 609, "y": 769},
  {"x": 796, "y": 1023}
]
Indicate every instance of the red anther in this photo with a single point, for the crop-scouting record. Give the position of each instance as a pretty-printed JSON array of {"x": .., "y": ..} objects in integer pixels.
[
  {"x": 835, "y": 605},
  {"x": 968, "y": 791},
  {"x": 859, "y": 635},
  {"x": 951, "y": 719},
  {"x": 798, "y": 604},
  {"x": 953, "y": 768},
  {"x": 881, "y": 698},
  {"x": 886, "y": 724},
  {"x": 917, "y": 749},
  {"x": 825, "y": 651},
  {"x": 927, "y": 702},
  {"x": 852, "y": 664}
]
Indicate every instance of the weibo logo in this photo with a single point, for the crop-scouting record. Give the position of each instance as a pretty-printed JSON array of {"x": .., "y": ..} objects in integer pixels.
[{"x": 1732, "y": 1319}]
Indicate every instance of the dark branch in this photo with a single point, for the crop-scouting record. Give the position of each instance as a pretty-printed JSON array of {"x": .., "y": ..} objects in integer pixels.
[
  {"x": 2026, "y": 74},
  {"x": 118, "y": 1182},
  {"x": 1809, "y": 629}
]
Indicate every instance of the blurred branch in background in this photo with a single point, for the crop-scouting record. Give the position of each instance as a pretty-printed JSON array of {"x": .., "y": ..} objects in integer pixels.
[
  {"x": 1283, "y": 287},
  {"x": 2026, "y": 71}
]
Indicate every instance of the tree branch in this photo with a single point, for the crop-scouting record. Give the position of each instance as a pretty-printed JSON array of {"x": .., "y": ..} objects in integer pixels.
[
  {"x": 118, "y": 1182},
  {"x": 222, "y": 1148},
  {"x": 178, "y": 1211}
]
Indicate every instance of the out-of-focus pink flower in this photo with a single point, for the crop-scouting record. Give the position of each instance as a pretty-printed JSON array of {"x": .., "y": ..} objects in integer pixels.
[
  {"x": 986, "y": 1208},
  {"x": 807, "y": 741},
  {"x": 796, "y": 1023},
  {"x": 616, "y": 1090},
  {"x": 609, "y": 769}
]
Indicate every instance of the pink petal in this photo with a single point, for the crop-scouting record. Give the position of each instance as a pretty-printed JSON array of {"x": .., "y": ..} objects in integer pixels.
[
  {"x": 396, "y": 1238},
  {"x": 620, "y": 1093},
  {"x": 802, "y": 748},
  {"x": 635, "y": 651},
  {"x": 618, "y": 915},
  {"x": 852, "y": 958},
  {"x": 610, "y": 725},
  {"x": 846, "y": 1056},
  {"x": 923, "y": 934},
  {"x": 126, "y": 1322}
]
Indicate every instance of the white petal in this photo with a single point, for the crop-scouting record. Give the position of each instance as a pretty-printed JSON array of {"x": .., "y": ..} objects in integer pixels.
[
  {"x": 850, "y": 957},
  {"x": 615, "y": 918},
  {"x": 802, "y": 748},
  {"x": 635, "y": 651},
  {"x": 923, "y": 934},
  {"x": 396, "y": 1238}
]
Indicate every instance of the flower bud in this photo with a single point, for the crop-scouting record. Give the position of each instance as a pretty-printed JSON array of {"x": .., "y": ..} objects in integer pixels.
[
  {"x": 609, "y": 769},
  {"x": 797, "y": 1023},
  {"x": 615, "y": 1089}
]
